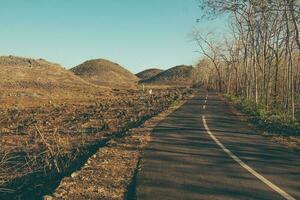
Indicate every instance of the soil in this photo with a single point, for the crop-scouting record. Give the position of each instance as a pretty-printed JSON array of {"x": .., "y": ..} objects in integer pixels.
[
  {"x": 110, "y": 172},
  {"x": 40, "y": 145},
  {"x": 26, "y": 82},
  {"x": 52, "y": 121}
]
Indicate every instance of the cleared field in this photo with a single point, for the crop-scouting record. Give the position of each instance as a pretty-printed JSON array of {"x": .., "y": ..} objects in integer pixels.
[{"x": 40, "y": 145}]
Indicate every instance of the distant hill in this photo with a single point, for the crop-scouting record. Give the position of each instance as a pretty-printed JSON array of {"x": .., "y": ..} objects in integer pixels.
[
  {"x": 105, "y": 72},
  {"x": 148, "y": 73},
  {"x": 27, "y": 78},
  {"x": 178, "y": 75}
]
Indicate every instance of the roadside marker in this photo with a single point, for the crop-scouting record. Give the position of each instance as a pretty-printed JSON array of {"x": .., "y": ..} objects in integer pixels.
[
  {"x": 245, "y": 166},
  {"x": 205, "y": 101}
]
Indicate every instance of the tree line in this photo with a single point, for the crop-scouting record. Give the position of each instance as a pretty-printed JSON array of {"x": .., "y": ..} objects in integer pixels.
[{"x": 260, "y": 60}]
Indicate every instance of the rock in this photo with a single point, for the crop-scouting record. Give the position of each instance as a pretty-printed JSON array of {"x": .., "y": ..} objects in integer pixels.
[
  {"x": 47, "y": 197},
  {"x": 74, "y": 174}
]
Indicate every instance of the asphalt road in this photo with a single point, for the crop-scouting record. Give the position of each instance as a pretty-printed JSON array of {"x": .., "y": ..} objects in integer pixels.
[{"x": 183, "y": 161}]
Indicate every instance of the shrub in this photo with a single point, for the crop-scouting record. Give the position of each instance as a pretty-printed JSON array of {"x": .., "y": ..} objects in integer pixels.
[{"x": 271, "y": 120}]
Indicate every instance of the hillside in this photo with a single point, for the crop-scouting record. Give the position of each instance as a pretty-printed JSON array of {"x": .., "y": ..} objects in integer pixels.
[
  {"x": 178, "y": 75},
  {"x": 148, "y": 73},
  {"x": 105, "y": 72},
  {"x": 25, "y": 79}
]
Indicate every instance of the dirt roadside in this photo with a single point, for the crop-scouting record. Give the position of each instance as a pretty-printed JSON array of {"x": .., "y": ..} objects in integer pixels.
[{"x": 110, "y": 172}]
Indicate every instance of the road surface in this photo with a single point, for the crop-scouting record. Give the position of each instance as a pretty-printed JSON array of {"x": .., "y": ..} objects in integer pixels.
[{"x": 204, "y": 151}]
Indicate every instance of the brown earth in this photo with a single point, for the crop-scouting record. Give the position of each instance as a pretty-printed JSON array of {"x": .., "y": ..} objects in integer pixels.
[
  {"x": 178, "y": 75},
  {"x": 109, "y": 173},
  {"x": 39, "y": 145},
  {"x": 148, "y": 73},
  {"x": 105, "y": 73},
  {"x": 30, "y": 82},
  {"x": 51, "y": 119}
]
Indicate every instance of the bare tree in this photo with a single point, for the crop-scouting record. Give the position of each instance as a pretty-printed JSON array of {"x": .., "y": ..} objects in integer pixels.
[
  {"x": 263, "y": 52},
  {"x": 212, "y": 52}
]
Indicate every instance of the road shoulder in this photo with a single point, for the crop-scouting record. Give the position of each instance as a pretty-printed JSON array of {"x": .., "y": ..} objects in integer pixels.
[{"x": 109, "y": 173}]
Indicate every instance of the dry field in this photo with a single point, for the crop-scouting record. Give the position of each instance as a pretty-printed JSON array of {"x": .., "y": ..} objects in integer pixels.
[
  {"x": 42, "y": 144},
  {"x": 53, "y": 119}
]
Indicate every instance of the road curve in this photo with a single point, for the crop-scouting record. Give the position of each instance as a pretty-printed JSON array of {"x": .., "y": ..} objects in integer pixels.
[{"x": 184, "y": 161}]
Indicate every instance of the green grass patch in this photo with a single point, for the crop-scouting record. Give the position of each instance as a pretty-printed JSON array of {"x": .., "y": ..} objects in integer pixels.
[{"x": 273, "y": 121}]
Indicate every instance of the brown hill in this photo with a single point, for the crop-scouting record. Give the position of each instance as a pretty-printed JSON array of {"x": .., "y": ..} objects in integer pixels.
[
  {"x": 178, "y": 75},
  {"x": 29, "y": 79},
  {"x": 148, "y": 73},
  {"x": 104, "y": 72}
]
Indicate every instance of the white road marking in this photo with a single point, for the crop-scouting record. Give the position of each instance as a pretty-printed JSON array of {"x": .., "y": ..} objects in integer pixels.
[
  {"x": 205, "y": 101},
  {"x": 245, "y": 166},
  {"x": 204, "y": 107}
]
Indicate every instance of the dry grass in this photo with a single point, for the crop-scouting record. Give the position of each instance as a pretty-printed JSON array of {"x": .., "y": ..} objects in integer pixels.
[
  {"x": 149, "y": 73},
  {"x": 51, "y": 118},
  {"x": 109, "y": 172},
  {"x": 28, "y": 82},
  {"x": 49, "y": 138},
  {"x": 178, "y": 75},
  {"x": 292, "y": 142},
  {"x": 105, "y": 73}
]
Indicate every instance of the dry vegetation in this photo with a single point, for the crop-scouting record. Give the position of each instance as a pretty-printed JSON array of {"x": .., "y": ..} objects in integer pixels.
[
  {"x": 44, "y": 141},
  {"x": 259, "y": 61},
  {"x": 178, "y": 75},
  {"x": 52, "y": 120},
  {"x": 148, "y": 73},
  {"x": 257, "y": 66},
  {"x": 105, "y": 73},
  {"x": 28, "y": 82},
  {"x": 110, "y": 172}
]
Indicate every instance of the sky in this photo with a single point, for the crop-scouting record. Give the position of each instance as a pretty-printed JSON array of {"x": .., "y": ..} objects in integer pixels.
[{"x": 137, "y": 34}]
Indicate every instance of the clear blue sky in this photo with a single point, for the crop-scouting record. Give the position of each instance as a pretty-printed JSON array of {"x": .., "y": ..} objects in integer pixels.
[{"x": 137, "y": 34}]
